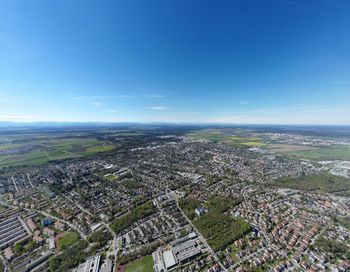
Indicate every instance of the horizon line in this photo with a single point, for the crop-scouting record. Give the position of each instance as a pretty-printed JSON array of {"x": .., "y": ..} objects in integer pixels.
[{"x": 162, "y": 122}]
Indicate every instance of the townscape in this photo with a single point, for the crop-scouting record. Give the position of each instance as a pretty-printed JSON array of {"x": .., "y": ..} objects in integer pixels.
[
  {"x": 175, "y": 199},
  {"x": 175, "y": 136}
]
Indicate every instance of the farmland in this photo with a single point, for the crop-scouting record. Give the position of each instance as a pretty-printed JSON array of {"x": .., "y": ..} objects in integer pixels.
[
  {"x": 324, "y": 153},
  {"x": 40, "y": 150},
  {"x": 226, "y": 138},
  {"x": 289, "y": 147}
]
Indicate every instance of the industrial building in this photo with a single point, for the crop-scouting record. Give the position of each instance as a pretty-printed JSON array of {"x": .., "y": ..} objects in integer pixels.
[
  {"x": 11, "y": 231},
  {"x": 178, "y": 251}
]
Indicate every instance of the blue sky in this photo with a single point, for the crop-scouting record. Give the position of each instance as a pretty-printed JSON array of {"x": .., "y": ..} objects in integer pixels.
[{"x": 230, "y": 61}]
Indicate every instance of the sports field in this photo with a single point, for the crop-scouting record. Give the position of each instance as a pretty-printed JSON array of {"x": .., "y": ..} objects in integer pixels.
[
  {"x": 67, "y": 240},
  {"x": 145, "y": 264}
]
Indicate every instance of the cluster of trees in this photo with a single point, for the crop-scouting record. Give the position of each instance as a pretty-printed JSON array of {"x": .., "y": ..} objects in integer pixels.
[
  {"x": 343, "y": 221},
  {"x": 144, "y": 251},
  {"x": 100, "y": 237},
  {"x": 132, "y": 184},
  {"x": 324, "y": 182},
  {"x": 221, "y": 204},
  {"x": 218, "y": 228},
  {"x": 336, "y": 248},
  {"x": 134, "y": 215},
  {"x": 70, "y": 258},
  {"x": 24, "y": 246},
  {"x": 221, "y": 230},
  {"x": 188, "y": 205}
]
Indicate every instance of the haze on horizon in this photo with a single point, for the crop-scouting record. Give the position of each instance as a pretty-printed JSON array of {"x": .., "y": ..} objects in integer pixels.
[{"x": 242, "y": 61}]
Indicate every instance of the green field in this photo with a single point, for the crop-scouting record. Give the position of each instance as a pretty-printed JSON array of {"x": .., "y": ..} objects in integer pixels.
[
  {"x": 110, "y": 177},
  {"x": 145, "y": 264},
  {"x": 99, "y": 148},
  {"x": 222, "y": 138},
  {"x": 67, "y": 240},
  {"x": 35, "y": 152},
  {"x": 323, "y": 153}
]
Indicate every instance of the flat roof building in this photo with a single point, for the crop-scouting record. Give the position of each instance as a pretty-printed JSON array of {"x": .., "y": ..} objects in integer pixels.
[
  {"x": 169, "y": 259},
  {"x": 91, "y": 265}
]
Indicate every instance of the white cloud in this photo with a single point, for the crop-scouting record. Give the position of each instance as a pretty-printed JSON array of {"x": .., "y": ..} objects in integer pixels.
[
  {"x": 157, "y": 96},
  {"x": 102, "y": 97},
  {"x": 158, "y": 108},
  {"x": 193, "y": 113},
  {"x": 97, "y": 104}
]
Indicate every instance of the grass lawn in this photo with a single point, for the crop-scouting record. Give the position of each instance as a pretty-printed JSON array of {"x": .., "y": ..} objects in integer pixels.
[
  {"x": 110, "y": 177},
  {"x": 68, "y": 239},
  {"x": 145, "y": 264}
]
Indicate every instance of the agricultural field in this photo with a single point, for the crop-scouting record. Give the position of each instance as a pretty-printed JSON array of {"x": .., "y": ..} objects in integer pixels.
[
  {"x": 145, "y": 264},
  {"x": 289, "y": 147},
  {"x": 127, "y": 134},
  {"x": 323, "y": 153},
  {"x": 40, "y": 150},
  {"x": 226, "y": 138}
]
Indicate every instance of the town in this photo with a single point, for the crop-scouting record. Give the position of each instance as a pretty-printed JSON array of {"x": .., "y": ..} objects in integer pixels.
[{"x": 173, "y": 202}]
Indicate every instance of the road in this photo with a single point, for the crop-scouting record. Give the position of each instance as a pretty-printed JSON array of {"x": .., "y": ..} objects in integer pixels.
[
  {"x": 30, "y": 182},
  {"x": 14, "y": 183}
]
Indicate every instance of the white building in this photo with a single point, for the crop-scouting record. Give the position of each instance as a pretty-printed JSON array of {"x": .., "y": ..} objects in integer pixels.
[{"x": 91, "y": 265}]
